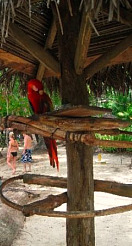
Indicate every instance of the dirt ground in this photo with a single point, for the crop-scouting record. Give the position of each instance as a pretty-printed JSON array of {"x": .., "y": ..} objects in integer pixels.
[{"x": 112, "y": 230}]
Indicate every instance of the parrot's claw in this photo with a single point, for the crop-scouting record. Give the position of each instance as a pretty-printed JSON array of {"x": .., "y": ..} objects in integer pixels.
[
  {"x": 52, "y": 163},
  {"x": 34, "y": 117}
]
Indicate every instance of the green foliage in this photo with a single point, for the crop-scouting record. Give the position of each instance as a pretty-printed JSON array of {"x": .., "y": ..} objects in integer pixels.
[
  {"x": 13, "y": 102},
  {"x": 56, "y": 99},
  {"x": 2, "y": 139},
  {"x": 121, "y": 105},
  {"x": 121, "y": 137}
]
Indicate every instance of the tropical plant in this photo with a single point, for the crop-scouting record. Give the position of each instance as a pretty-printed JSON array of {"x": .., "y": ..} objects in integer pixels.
[
  {"x": 121, "y": 105},
  {"x": 11, "y": 102}
]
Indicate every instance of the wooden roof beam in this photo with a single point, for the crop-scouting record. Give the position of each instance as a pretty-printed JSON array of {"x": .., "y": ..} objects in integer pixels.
[
  {"x": 126, "y": 16},
  {"x": 9, "y": 60},
  {"x": 19, "y": 64},
  {"x": 106, "y": 58},
  {"x": 36, "y": 50},
  {"x": 83, "y": 43},
  {"x": 124, "y": 57},
  {"x": 48, "y": 45}
]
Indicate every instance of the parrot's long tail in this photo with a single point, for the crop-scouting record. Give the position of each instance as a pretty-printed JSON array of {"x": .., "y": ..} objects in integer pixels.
[{"x": 52, "y": 151}]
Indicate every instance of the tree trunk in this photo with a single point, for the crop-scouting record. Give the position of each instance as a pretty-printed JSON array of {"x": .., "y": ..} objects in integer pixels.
[{"x": 80, "y": 232}]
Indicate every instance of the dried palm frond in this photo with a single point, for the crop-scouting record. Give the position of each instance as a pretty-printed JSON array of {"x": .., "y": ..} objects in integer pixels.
[
  {"x": 117, "y": 77},
  {"x": 23, "y": 84},
  {"x": 7, "y": 79},
  {"x": 70, "y": 7},
  {"x": 96, "y": 6},
  {"x": 7, "y": 13},
  {"x": 93, "y": 26},
  {"x": 59, "y": 17},
  {"x": 52, "y": 85},
  {"x": 7, "y": 10}
]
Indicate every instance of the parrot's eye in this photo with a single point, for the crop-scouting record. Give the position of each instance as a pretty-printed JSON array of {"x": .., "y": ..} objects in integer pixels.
[{"x": 34, "y": 88}]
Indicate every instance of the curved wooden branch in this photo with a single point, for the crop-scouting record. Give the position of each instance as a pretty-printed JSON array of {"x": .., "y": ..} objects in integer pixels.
[
  {"x": 85, "y": 214},
  {"x": 4, "y": 199},
  {"x": 45, "y": 180},
  {"x": 42, "y": 207},
  {"x": 49, "y": 203},
  {"x": 114, "y": 188}
]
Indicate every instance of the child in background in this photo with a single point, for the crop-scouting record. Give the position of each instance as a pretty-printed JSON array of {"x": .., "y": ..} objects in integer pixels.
[
  {"x": 26, "y": 154},
  {"x": 12, "y": 152}
]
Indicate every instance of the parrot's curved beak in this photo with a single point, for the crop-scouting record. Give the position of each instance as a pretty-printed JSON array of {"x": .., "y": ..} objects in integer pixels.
[{"x": 41, "y": 92}]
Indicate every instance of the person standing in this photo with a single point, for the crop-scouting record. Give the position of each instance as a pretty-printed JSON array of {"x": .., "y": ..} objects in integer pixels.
[
  {"x": 26, "y": 154},
  {"x": 12, "y": 152}
]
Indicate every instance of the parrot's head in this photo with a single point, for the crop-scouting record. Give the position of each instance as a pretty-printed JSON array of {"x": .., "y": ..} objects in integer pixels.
[{"x": 35, "y": 86}]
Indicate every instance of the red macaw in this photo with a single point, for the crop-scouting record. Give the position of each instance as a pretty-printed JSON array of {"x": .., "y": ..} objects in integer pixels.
[{"x": 40, "y": 103}]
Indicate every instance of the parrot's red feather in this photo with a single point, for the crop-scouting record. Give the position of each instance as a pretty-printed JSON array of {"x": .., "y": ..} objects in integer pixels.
[{"x": 41, "y": 103}]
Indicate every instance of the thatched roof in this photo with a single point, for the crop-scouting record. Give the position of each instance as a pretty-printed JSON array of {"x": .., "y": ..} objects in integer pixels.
[{"x": 111, "y": 23}]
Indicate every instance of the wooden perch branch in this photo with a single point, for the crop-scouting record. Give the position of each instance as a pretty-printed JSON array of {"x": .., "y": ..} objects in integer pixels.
[
  {"x": 113, "y": 132},
  {"x": 106, "y": 143},
  {"x": 4, "y": 199},
  {"x": 80, "y": 111},
  {"x": 85, "y": 214},
  {"x": 48, "y": 203},
  {"x": 46, "y": 122},
  {"x": 31, "y": 126},
  {"x": 77, "y": 124},
  {"x": 45, "y": 180},
  {"x": 99, "y": 185},
  {"x": 43, "y": 207},
  {"x": 114, "y": 188},
  {"x": 69, "y": 129}
]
